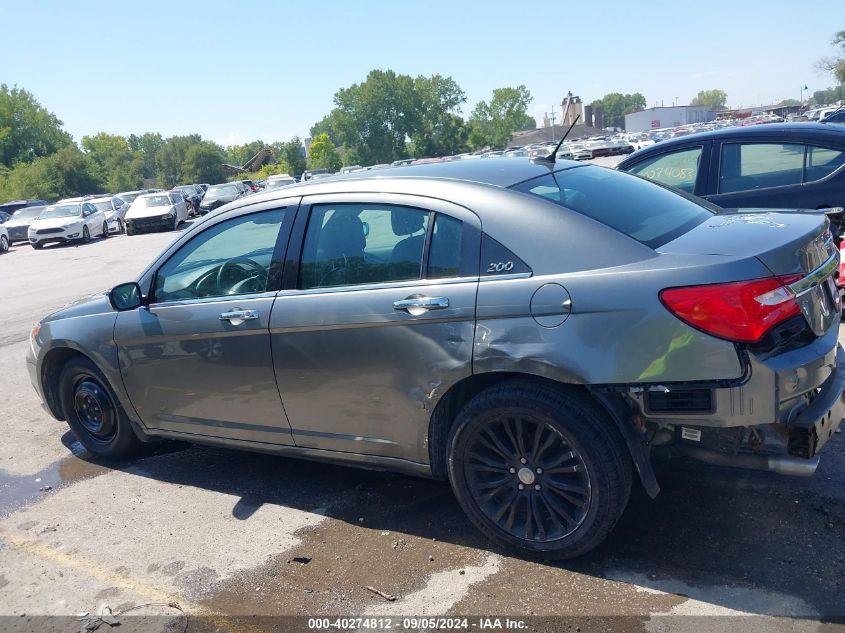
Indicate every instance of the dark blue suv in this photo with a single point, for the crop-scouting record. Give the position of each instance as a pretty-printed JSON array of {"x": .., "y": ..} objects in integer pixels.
[{"x": 777, "y": 165}]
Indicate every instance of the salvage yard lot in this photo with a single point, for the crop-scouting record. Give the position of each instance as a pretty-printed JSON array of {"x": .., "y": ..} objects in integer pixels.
[{"x": 235, "y": 534}]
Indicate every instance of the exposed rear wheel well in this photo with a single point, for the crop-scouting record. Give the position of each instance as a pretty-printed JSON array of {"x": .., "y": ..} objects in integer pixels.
[
  {"x": 51, "y": 369},
  {"x": 459, "y": 395}
]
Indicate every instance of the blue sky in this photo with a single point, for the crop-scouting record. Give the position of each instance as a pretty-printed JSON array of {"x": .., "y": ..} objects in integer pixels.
[{"x": 239, "y": 71}]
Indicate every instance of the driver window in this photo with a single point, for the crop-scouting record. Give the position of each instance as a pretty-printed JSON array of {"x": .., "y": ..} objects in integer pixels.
[{"x": 227, "y": 259}]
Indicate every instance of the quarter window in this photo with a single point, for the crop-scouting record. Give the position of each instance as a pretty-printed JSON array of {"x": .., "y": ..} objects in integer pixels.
[
  {"x": 231, "y": 258},
  {"x": 822, "y": 162},
  {"x": 745, "y": 166},
  {"x": 351, "y": 244},
  {"x": 676, "y": 169}
]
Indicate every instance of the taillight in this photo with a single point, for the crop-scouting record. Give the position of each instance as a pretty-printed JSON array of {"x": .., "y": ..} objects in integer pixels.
[{"x": 741, "y": 311}]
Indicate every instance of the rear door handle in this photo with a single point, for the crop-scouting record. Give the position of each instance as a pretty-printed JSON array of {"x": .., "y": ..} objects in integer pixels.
[
  {"x": 236, "y": 317},
  {"x": 418, "y": 305}
]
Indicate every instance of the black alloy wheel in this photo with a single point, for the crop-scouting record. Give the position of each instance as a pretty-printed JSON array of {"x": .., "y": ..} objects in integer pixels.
[
  {"x": 538, "y": 468},
  {"x": 527, "y": 477}
]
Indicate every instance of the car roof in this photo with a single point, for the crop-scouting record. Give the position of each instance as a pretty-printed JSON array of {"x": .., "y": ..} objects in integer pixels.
[{"x": 499, "y": 172}]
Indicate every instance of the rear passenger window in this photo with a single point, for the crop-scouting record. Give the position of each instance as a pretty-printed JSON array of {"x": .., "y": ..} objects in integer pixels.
[
  {"x": 822, "y": 162},
  {"x": 676, "y": 169},
  {"x": 351, "y": 244},
  {"x": 444, "y": 258},
  {"x": 745, "y": 166}
]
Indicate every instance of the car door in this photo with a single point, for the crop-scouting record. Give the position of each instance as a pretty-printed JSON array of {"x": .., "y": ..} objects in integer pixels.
[
  {"x": 93, "y": 218},
  {"x": 375, "y": 321},
  {"x": 197, "y": 359},
  {"x": 771, "y": 173},
  {"x": 684, "y": 167}
]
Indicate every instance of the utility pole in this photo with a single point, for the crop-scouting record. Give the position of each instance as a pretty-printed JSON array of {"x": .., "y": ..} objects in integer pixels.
[{"x": 552, "y": 116}]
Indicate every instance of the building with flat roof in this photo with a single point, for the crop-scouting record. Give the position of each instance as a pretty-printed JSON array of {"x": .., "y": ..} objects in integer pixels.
[{"x": 670, "y": 116}]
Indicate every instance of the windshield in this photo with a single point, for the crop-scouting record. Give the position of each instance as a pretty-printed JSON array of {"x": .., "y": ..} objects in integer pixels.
[
  {"x": 27, "y": 213},
  {"x": 129, "y": 197},
  {"x": 281, "y": 182},
  {"x": 154, "y": 201},
  {"x": 61, "y": 211},
  {"x": 105, "y": 205},
  {"x": 188, "y": 191},
  {"x": 649, "y": 213},
  {"x": 222, "y": 190}
]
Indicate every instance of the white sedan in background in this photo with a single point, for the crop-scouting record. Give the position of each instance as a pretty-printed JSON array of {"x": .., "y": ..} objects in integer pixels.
[
  {"x": 67, "y": 221},
  {"x": 115, "y": 209},
  {"x": 163, "y": 211}
]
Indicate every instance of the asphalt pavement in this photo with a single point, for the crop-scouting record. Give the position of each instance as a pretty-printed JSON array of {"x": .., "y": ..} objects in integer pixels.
[{"x": 228, "y": 535}]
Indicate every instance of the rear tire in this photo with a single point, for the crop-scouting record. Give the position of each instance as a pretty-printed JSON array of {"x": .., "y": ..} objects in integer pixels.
[
  {"x": 93, "y": 411},
  {"x": 130, "y": 230},
  {"x": 539, "y": 470},
  {"x": 4, "y": 244}
]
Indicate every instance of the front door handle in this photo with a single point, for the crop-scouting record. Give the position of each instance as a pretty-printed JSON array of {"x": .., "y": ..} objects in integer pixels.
[
  {"x": 419, "y": 305},
  {"x": 236, "y": 316}
]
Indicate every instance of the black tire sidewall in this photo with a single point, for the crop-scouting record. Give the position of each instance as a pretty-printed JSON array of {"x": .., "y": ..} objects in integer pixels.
[
  {"x": 86, "y": 234},
  {"x": 4, "y": 244},
  {"x": 105, "y": 230},
  {"x": 124, "y": 442},
  {"x": 608, "y": 485}
]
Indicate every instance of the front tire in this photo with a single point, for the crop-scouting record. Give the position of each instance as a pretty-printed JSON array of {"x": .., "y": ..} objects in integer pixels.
[
  {"x": 130, "y": 230},
  {"x": 93, "y": 412},
  {"x": 4, "y": 244},
  {"x": 105, "y": 230},
  {"x": 539, "y": 470},
  {"x": 86, "y": 235}
]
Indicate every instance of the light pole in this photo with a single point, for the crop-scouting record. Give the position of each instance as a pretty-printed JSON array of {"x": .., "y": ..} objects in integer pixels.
[
  {"x": 552, "y": 119},
  {"x": 801, "y": 100}
]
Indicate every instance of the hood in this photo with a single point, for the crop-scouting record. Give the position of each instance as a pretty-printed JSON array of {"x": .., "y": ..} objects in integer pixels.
[
  {"x": 13, "y": 222},
  {"x": 95, "y": 304},
  {"x": 148, "y": 212},
  {"x": 55, "y": 223}
]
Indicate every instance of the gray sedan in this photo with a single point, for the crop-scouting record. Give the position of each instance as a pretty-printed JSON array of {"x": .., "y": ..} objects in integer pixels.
[{"x": 533, "y": 332}]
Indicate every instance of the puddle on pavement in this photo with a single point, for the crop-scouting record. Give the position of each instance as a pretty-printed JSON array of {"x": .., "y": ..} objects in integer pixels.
[{"x": 17, "y": 491}]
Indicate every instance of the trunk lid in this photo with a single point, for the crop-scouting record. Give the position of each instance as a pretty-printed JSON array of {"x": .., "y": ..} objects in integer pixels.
[{"x": 786, "y": 243}]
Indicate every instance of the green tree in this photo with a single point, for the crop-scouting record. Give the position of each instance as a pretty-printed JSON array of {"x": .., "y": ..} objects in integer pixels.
[
  {"x": 27, "y": 129},
  {"x": 146, "y": 147},
  {"x": 615, "y": 106},
  {"x": 324, "y": 154},
  {"x": 203, "y": 163},
  {"x": 66, "y": 172},
  {"x": 831, "y": 95},
  {"x": 238, "y": 155},
  {"x": 788, "y": 103},
  {"x": 714, "y": 99},
  {"x": 292, "y": 154},
  {"x": 492, "y": 124},
  {"x": 119, "y": 167},
  {"x": 170, "y": 159},
  {"x": 835, "y": 65},
  {"x": 374, "y": 117}
]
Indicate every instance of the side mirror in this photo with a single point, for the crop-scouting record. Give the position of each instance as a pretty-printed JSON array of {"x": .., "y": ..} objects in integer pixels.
[{"x": 126, "y": 296}]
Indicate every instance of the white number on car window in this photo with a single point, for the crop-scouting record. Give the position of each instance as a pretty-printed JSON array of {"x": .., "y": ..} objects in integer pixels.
[{"x": 499, "y": 267}]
